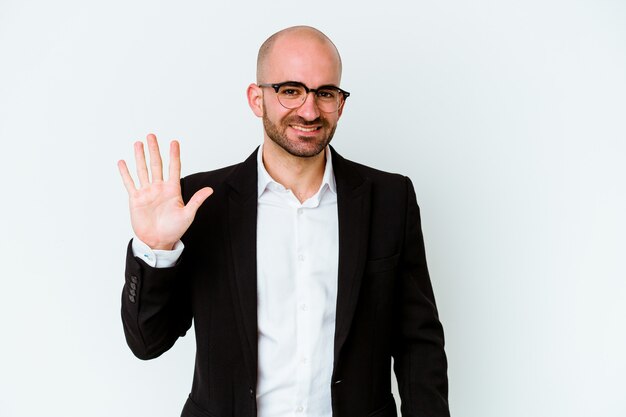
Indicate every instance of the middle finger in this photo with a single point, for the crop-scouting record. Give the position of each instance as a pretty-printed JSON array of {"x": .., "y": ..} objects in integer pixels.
[{"x": 156, "y": 165}]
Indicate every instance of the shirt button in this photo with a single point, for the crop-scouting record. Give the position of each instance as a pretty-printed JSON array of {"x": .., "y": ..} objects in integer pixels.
[
  {"x": 303, "y": 361},
  {"x": 300, "y": 211},
  {"x": 303, "y": 307},
  {"x": 299, "y": 409},
  {"x": 301, "y": 257}
]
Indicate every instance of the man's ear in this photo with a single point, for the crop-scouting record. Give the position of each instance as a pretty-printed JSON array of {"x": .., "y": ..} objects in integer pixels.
[{"x": 255, "y": 99}]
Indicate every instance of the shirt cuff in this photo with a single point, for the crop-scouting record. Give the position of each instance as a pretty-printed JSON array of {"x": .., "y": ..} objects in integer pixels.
[{"x": 157, "y": 258}]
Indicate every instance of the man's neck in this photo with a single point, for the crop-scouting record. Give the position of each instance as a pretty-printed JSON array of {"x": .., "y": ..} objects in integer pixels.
[{"x": 303, "y": 176}]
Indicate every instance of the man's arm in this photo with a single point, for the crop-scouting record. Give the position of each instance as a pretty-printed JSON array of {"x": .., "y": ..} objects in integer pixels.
[
  {"x": 156, "y": 308},
  {"x": 419, "y": 359}
]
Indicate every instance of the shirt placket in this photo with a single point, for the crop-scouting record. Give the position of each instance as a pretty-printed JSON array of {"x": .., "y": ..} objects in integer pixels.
[{"x": 303, "y": 324}]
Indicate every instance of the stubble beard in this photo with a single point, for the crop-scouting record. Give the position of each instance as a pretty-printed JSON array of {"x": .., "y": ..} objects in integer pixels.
[{"x": 278, "y": 135}]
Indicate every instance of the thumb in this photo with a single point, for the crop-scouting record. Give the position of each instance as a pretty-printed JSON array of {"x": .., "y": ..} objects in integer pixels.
[{"x": 197, "y": 199}]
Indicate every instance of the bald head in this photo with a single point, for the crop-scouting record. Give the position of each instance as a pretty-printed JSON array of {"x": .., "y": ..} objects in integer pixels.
[{"x": 300, "y": 38}]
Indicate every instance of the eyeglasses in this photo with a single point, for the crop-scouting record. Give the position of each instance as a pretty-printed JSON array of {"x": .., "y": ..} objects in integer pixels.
[{"x": 293, "y": 94}]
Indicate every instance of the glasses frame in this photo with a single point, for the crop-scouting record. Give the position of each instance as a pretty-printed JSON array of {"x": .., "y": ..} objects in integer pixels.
[{"x": 276, "y": 87}]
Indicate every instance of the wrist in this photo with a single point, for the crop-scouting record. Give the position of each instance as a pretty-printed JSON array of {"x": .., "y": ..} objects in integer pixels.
[
  {"x": 162, "y": 246},
  {"x": 158, "y": 245}
]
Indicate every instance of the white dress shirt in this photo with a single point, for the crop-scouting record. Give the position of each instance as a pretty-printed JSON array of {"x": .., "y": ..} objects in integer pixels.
[
  {"x": 297, "y": 270},
  {"x": 297, "y": 267}
]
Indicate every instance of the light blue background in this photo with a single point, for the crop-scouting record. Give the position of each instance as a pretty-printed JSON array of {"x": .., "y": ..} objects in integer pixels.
[{"x": 509, "y": 116}]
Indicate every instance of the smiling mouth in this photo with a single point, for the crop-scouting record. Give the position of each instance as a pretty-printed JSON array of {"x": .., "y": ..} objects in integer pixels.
[{"x": 306, "y": 129}]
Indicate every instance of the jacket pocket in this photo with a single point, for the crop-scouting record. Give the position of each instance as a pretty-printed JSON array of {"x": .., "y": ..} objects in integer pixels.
[
  {"x": 191, "y": 409},
  {"x": 388, "y": 410},
  {"x": 381, "y": 264}
]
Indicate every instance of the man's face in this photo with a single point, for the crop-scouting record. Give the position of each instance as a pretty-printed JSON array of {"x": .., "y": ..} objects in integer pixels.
[
  {"x": 299, "y": 136},
  {"x": 304, "y": 131}
]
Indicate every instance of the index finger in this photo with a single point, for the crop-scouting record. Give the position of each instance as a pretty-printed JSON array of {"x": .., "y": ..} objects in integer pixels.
[{"x": 174, "y": 172}]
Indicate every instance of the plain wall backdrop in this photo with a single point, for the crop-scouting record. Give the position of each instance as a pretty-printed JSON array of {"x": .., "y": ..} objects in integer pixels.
[{"x": 509, "y": 116}]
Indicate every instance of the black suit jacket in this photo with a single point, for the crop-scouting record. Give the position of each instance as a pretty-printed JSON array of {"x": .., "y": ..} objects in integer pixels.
[{"x": 385, "y": 302}]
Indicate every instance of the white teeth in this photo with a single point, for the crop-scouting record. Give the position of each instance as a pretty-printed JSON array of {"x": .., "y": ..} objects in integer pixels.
[{"x": 304, "y": 129}]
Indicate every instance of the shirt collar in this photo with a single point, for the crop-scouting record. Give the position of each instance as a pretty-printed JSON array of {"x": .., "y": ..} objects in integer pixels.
[{"x": 264, "y": 179}]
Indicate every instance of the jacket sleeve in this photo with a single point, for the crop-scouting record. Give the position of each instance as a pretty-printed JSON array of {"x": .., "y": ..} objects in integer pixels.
[
  {"x": 156, "y": 308},
  {"x": 420, "y": 362}
]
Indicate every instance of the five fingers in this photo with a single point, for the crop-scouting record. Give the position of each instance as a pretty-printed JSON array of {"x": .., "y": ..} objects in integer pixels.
[{"x": 156, "y": 164}]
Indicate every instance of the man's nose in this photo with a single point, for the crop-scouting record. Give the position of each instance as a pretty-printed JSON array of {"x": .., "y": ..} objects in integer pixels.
[{"x": 309, "y": 110}]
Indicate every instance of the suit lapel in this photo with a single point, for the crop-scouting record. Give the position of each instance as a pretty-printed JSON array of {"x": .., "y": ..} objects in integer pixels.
[
  {"x": 353, "y": 206},
  {"x": 242, "y": 217}
]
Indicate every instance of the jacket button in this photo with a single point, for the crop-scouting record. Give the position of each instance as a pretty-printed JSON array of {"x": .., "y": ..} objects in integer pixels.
[
  {"x": 133, "y": 292},
  {"x": 133, "y": 285},
  {"x": 133, "y": 278},
  {"x": 251, "y": 391},
  {"x": 131, "y": 298}
]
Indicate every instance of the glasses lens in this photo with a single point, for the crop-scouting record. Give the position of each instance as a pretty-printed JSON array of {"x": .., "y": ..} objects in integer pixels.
[
  {"x": 291, "y": 96},
  {"x": 328, "y": 99}
]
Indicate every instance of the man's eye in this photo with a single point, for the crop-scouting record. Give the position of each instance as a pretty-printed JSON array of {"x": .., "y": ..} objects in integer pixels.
[
  {"x": 290, "y": 92},
  {"x": 327, "y": 94}
]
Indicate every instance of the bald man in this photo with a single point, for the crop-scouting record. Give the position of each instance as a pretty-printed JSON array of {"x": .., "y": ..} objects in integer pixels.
[{"x": 304, "y": 272}]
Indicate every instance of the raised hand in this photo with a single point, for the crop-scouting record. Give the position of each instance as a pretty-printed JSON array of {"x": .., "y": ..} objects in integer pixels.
[{"x": 158, "y": 214}]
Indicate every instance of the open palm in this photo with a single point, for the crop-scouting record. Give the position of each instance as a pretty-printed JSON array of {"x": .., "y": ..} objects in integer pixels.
[{"x": 158, "y": 215}]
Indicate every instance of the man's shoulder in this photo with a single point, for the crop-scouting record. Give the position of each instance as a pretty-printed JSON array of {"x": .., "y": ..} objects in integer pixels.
[
  {"x": 215, "y": 176},
  {"x": 241, "y": 175},
  {"x": 388, "y": 191},
  {"x": 373, "y": 175}
]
